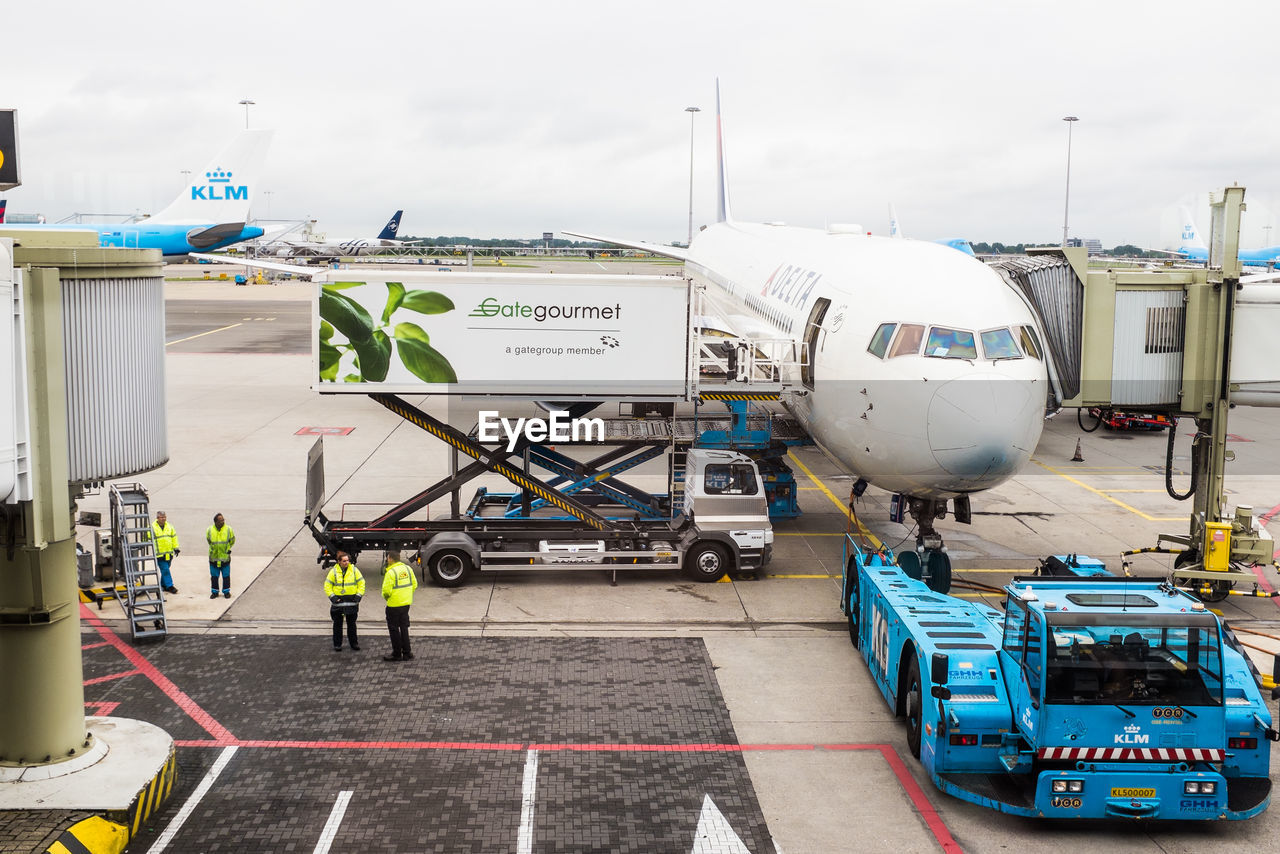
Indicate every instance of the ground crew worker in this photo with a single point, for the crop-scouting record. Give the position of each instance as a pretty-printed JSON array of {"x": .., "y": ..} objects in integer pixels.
[
  {"x": 166, "y": 540},
  {"x": 344, "y": 585},
  {"x": 398, "y": 584},
  {"x": 220, "y": 538}
]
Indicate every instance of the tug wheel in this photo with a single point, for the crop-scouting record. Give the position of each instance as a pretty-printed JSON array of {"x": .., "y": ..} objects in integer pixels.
[
  {"x": 855, "y": 603},
  {"x": 915, "y": 705}
]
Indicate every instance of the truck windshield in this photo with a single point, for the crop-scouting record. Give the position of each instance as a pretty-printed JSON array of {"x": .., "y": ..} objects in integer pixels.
[{"x": 1148, "y": 662}]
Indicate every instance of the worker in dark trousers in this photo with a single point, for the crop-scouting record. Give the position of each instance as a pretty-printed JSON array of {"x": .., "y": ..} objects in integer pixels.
[
  {"x": 221, "y": 539},
  {"x": 398, "y": 584},
  {"x": 344, "y": 585}
]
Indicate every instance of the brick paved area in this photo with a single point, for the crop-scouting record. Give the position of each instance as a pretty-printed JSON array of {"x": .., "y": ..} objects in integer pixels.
[{"x": 630, "y": 736}]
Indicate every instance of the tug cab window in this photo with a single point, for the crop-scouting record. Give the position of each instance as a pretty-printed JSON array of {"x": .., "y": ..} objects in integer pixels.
[
  {"x": 999, "y": 344},
  {"x": 731, "y": 479},
  {"x": 880, "y": 341},
  {"x": 907, "y": 342},
  {"x": 947, "y": 343}
]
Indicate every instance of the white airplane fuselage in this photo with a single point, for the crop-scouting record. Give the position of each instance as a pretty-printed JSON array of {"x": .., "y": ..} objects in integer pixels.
[{"x": 926, "y": 425}]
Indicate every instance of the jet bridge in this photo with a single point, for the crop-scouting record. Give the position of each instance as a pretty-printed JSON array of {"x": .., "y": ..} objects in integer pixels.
[{"x": 1166, "y": 342}]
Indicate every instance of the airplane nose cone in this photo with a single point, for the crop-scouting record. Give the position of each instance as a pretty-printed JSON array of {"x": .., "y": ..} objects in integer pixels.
[{"x": 984, "y": 427}]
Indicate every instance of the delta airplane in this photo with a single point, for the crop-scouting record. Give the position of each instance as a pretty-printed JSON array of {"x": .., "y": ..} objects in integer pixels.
[
  {"x": 211, "y": 212},
  {"x": 336, "y": 248},
  {"x": 1193, "y": 248},
  {"x": 926, "y": 376}
]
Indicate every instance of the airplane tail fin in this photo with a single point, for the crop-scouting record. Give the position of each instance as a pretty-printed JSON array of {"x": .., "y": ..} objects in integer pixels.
[
  {"x": 389, "y": 230},
  {"x": 894, "y": 229},
  {"x": 1190, "y": 236},
  {"x": 3, "y": 203},
  {"x": 221, "y": 193},
  {"x": 723, "y": 212}
]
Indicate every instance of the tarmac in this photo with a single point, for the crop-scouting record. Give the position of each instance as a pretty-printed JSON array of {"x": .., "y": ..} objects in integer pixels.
[{"x": 564, "y": 711}]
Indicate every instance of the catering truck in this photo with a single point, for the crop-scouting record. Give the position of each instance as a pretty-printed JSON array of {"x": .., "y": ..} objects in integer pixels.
[{"x": 1086, "y": 696}]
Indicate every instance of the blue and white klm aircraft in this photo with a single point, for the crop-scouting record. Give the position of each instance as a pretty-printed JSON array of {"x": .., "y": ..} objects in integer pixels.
[
  {"x": 1191, "y": 247},
  {"x": 925, "y": 373},
  {"x": 210, "y": 213}
]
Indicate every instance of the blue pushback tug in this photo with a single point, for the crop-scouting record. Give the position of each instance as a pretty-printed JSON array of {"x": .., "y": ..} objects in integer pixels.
[{"x": 1088, "y": 696}]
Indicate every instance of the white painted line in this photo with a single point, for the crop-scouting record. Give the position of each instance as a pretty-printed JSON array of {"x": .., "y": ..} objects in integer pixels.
[
  {"x": 202, "y": 334},
  {"x": 192, "y": 802},
  {"x": 335, "y": 820},
  {"x": 524, "y": 841}
]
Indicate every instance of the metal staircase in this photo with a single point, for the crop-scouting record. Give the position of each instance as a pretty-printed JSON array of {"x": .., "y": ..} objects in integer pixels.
[{"x": 135, "y": 557}]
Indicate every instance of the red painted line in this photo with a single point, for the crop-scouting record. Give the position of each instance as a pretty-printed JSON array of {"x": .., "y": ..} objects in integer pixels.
[
  {"x": 83, "y": 647},
  {"x": 101, "y": 709},
  {"x": 97, "y": 679},
  {"x": 926, "y": 810},
  {"x": 1269, "y": 515},
  {"x": 188, "y": 705}
]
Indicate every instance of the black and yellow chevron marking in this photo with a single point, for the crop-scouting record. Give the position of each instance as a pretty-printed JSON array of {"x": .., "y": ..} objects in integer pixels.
[
  {"x": 89, "y": 595},
  {"x": 514, "y": 475},
  {"x": 93, "y": 835},
  {"x": 718, "y": 395},
  {"x": 151, "y": 798}
]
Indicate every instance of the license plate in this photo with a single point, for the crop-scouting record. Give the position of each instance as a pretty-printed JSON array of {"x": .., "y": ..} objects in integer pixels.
[{"x": 1133, "y": 793}]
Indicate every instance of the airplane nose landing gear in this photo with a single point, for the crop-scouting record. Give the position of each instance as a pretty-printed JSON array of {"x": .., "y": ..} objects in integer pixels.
[{"x": 929, "y": 562}]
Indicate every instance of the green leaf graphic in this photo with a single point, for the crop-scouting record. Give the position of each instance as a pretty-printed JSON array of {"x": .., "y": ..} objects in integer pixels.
[
  {"x": 425, "y": 362},
  {"x": 395, "y": 296},
  {"x": 375, "y": 357},
  {"x": 326, "y": 330},
  {"x": 341, "y": 286},
  {"x": 329, "y": 358},
  {"x": 411, "y": 332},
  {"x": 427, "y": 302},
  {"x": 347, "y": 316}
]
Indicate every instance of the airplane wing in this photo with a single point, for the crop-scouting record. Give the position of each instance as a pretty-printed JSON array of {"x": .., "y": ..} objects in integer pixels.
[
  {"x": 652, "y": 248},
  {"x": 300, "y": 272}
]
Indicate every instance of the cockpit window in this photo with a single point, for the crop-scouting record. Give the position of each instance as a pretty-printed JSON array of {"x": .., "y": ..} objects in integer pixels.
[
  {"x": 999, "y": 344},
  {"x": 880, "y": 341},
  {"x": 907, "y": 343},
  {"x": 950, "y": 344},
  {"x": 1030, "y": 343}
]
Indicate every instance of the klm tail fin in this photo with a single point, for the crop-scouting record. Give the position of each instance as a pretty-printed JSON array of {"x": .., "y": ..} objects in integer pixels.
[
  {"x": 221, "y": 193},
  {"x": 894, "y": 229},
  {"x": 389, "y": 230},
  {"x": 723, "y": 212},
  {"x": 1189, "y": 238}
]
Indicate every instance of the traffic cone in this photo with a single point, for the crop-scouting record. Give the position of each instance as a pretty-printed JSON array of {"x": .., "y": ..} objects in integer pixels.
[{"x": 1079, "y": 457}]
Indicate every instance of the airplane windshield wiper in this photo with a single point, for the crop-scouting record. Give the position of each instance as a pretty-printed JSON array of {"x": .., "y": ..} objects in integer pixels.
[{"x": 1126, "y": 711}]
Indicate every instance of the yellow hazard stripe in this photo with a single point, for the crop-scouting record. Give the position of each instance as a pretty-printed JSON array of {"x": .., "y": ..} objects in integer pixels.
[
  {"x": 93, "y": 835},
  {"x": 715, "y": 395},
  {"x": 155, "y": 794}
]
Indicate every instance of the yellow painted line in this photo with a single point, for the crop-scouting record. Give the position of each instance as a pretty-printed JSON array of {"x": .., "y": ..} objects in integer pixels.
[
  {"x": 202, "y": 334},
  {"x": 836, "y": 501},
  {"x": 798, "y": 575},
  {"x": 1133, "y": 490},
  {"x": 1115, "y": 501},
  {"x": 1005, "y": 571},
  {"x": 976, "y": 595}
]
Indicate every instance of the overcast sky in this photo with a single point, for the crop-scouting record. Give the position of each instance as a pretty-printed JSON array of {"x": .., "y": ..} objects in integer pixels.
[{"x": 507, "y": 119}]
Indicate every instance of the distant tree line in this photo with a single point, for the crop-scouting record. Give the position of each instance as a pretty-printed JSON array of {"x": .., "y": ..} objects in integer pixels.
[{"x": 1125, "y": 250}]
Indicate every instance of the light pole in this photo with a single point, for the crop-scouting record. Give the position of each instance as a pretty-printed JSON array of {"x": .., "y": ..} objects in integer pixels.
[
  {"x": 247, "y": 103},
  {"x": 267, "y": 193},
  {"x": 186, "y": 177},
  {"x": 691, "y": 111},
  {"x": 1066, "y": 206}
]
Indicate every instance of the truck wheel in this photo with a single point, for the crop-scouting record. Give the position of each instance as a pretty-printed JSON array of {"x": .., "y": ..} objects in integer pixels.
[
  {"x": 706, "y": 562},
  {"x": 855, "y": 603},
  {"x": 449, "y": 568},
  {"x": 915, "y": 700}
]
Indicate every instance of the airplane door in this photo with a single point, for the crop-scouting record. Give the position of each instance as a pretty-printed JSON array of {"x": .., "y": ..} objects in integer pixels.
[{"x": 812, "y": 330}]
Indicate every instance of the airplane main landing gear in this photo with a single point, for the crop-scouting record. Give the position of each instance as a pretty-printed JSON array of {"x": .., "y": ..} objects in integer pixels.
[{"x": 929, "y": 562}]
